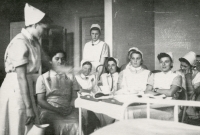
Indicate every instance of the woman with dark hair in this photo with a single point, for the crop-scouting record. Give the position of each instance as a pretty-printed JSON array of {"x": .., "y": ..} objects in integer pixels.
[
  {"x": 22, "y": 60},
  {"x": 165, "y": 82},
  {"x": 110, "y": 78},
  {"x": 133, "y": 78},
  {"x": 96, "y": 51},
  {"x": 55, "y": 96}
]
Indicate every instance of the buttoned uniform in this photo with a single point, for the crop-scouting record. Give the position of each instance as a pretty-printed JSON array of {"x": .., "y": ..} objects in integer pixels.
[
  {"x": 22, "y": 50},
  {"x": 133, "y": 80},
  {"x": 94, "y": 51},
  {"x": 109, "y": 81},
  {"x": 58, "y": 88}
]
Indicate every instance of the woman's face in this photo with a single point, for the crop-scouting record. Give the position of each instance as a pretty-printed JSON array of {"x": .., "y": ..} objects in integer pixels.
[
  {"x": 136, "y": 60},
  {"x": 165, "y": 64},
  {"x": 86, "y": 69},
  {"x": 40, "y": 30},
  {"x": 112, "y": 67},
  {"x": 185, "y": 67},
  {"x": 95, "y": 35},
  {"x": 58, "y": 60}
]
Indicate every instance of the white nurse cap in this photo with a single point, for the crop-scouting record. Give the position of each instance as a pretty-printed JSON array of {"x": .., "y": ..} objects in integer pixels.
[
  {"x": 32, "y": 15},
  {"x": 190, "y": 57},
  {"x": 96, "y": 26},
  {"x": 136, "y": 49}
]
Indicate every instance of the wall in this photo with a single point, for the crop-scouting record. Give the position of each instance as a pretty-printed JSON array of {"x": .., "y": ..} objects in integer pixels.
[
  {"x": 65, "y": 13},
  {"x": 177, "y": 28},
  {"x": 133, "y": 26}
]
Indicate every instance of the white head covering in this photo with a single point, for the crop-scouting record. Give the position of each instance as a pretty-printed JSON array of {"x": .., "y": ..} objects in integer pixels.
[
  {"x": 136, "y": 49},
  {"x": 96, "y": 26},
  {"x": 32, "y": 15},
  {"x": 190, "y": 57},
  {"x": 171, "y": 55}
]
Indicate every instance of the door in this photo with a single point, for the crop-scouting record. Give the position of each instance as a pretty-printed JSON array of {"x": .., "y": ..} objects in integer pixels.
[{"x": 86, "y": 23}]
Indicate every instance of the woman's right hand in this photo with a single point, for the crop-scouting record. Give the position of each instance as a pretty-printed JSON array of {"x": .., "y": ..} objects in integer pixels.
[
  {"x": 63, "y": 110},
  {"x": 30, "y": 116}
]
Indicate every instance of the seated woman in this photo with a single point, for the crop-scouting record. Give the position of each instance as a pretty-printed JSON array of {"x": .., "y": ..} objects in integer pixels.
[
  {"x": 128, "y": 59},
  {"x": 85, "y": 79},
  {"x": 110, "y": 78},
  {"x": 165, "y": 82},
  {"x": 191, "y": 81},
  {"x": 133, "y": 78},
  {"x": 54, "y": 96}
]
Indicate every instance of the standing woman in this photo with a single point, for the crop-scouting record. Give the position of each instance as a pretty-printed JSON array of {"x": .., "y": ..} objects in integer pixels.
[
  {"x": 22, "y": 59},
  {"x": 96, "y": 51}
]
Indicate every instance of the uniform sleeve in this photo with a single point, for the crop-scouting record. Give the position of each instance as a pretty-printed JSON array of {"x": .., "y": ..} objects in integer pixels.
[
  {"x": 150, "y": 80},
  {"x": 105, "y": 51},
  {"x": 18, "y": 53},
  {"x": 40, "y": 85},
  {"x": 196, "y": 80},
  {"x": 177, "y": 81},
  {"x": 76, "y": 85}
]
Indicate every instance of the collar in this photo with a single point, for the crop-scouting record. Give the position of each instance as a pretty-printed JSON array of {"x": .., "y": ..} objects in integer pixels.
[
  {"x": 95, "y": 43},
  {"x": 84, "y": 77},
  {"x": 29, "y": 36},
  {"x": 54, "y": 73},
  {"x": 115, "y": 74},
  {"x": 169, "y": 72}
]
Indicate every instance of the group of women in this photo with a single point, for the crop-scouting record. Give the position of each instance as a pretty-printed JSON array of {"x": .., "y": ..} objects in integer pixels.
[{"x": 57, "y": 89}]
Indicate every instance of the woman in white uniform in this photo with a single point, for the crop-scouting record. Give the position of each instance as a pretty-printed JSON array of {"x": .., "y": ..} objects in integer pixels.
[
  {"x": 85, "y": 80},
  {"x": 110, "y": 78},
  {"x": 22, "y": 59},
  {"x": 133, "y": 79},
  {"x": 191, "y": 81},
  {"x": 165, "y": 82},
  {"x": 96, "y": 50}
]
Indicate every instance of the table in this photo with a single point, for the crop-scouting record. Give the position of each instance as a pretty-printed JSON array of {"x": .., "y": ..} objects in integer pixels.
[{"x": 118, "y": 112}]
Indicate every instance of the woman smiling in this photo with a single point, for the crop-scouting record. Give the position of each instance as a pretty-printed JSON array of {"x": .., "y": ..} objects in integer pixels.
[{"x": 165, "y": 82}]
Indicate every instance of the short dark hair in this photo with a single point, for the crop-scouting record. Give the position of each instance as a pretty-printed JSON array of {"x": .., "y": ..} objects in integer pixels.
[
  {"x": 111, "y": 59},
  {"x": 161, "y": 55},
  {"x": 87, "y": 63},
  {"x": 95, "y": 28},
  {"x": 54, "y": 52},
  {"x": 184, "y": 60}
]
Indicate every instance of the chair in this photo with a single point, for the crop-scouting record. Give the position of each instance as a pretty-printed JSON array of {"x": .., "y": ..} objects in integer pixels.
[{"x": 182, "y": 95}]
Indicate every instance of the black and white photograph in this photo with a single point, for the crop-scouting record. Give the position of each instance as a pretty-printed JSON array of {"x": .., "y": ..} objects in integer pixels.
[{"x": 99, "y": 67}]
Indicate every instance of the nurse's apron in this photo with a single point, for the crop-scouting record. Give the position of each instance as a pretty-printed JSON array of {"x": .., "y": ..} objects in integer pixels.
[{"x": 12, "y": 107}]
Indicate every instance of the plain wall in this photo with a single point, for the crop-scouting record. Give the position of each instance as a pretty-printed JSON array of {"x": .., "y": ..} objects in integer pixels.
[
  {"x": 177, "y": 28},
  {"x": 133, "y": 26}
]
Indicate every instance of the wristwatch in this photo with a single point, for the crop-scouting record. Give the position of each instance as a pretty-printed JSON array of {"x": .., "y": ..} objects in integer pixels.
[{"x": 155, "y": 90}]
